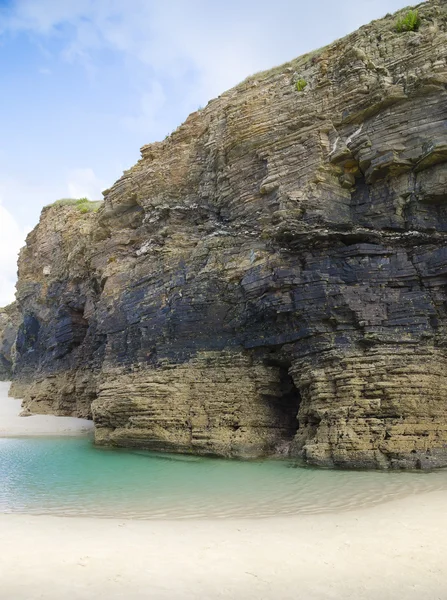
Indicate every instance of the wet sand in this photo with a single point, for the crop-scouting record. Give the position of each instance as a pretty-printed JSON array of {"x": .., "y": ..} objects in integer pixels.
[{"x": 395, "y": 550}]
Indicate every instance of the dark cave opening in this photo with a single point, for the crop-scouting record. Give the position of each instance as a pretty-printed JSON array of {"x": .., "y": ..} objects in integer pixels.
[{"x": 286, "y": 402}]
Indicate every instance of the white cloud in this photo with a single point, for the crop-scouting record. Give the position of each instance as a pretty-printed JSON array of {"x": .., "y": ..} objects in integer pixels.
[
  {"x": 177, "y": 55},
  {"x": 152, "y": 103},
  {"x": 83, "y": 183},
  {"x": 199, "y": 48},
  {"x": 25, "y": 197},
  {"x": 12, "y": 238},
  {"x": 43, "y": 17},
  {"x": 170, "y": 58}
]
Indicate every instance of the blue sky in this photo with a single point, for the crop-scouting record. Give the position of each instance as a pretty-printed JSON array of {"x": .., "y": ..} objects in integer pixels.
[{"x": 85, "y": 83}]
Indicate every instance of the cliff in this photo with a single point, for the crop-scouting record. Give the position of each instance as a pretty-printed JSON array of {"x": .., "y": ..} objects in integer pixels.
[
  {"x": 9, "y": 323},
  {"x": 269, "y": 279}
]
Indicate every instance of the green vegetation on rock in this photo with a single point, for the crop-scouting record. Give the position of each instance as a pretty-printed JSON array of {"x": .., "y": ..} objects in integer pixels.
[
  {"x": 84, "y": 205},
  {"x": 268, "y": 280},
  {"x": 410, "y": 22}
]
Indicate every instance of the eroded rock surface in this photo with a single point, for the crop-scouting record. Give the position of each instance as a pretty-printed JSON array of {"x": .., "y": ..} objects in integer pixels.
[
  {"x": 271, "y": 278},
  {"x": 9, "y": 322}
]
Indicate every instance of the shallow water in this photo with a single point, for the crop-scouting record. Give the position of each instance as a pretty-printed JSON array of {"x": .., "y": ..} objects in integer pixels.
[{"x": 71, "y": 477}]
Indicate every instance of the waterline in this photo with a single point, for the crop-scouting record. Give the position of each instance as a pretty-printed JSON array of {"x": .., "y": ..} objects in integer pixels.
[{"x": 71, "y": 477}]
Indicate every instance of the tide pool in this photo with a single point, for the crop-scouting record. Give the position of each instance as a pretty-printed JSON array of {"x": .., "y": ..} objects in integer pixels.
[{"x": 72, "y": 477}]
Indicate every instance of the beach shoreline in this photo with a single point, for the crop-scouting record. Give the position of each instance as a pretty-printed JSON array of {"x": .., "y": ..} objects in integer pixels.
[
  {"x": 392, "y": 550},
  {"x": 14, "y": 425},
  {"x": 389, "y": 551}
]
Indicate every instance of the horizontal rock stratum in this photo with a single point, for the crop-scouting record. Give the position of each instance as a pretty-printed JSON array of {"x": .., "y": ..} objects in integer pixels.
[
  {"x": 10, "y": 320},
  {"x": 271, "y": 279}
]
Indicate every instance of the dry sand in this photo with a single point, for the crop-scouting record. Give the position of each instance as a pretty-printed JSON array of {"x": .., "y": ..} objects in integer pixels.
[
  {"x": 11, "y": 425},
  {"x": 392, "y": 551},
  {"x": 396, "y": 550}
]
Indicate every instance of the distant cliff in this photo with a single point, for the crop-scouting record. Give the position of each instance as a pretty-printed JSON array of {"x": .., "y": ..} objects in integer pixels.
[
  {"x": 9, "y": 323},
  {"x": 269, "y": 279}
]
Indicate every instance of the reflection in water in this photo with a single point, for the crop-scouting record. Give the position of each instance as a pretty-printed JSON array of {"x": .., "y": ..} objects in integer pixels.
[{"x": 69, "y": 476}]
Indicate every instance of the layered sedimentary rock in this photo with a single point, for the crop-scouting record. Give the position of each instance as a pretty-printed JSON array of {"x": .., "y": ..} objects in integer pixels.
[
  {"x": 271, "y": 278},
  {"x": 9, "y": 322}
]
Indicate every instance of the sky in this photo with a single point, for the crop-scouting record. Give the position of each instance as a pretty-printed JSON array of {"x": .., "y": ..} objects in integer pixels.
[{"x": 85, "y": 83}]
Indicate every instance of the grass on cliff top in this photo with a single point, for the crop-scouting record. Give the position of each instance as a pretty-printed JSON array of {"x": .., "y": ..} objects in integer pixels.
[
  {"x": 410, "y": 22},
  {"x": 84, "y": 205}
]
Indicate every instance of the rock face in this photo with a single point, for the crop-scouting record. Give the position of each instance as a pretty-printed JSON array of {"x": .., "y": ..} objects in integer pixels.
[
  {"x": 9, "y": 322},
  {"x": 272, "y": 277}
]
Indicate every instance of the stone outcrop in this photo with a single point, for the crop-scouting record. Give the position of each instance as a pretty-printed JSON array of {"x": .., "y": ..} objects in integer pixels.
[
  {"x": 9, "y": 323},
  {"x": 269, "y": 279}
]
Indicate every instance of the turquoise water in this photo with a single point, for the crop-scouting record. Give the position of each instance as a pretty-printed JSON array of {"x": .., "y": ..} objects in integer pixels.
[{"x": 69, "y": 476}]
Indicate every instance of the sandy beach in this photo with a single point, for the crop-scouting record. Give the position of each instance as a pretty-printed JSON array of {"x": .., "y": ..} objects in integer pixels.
[
  {"x": 12, "y": 425},
  {"x": 391, "y": 551}
]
